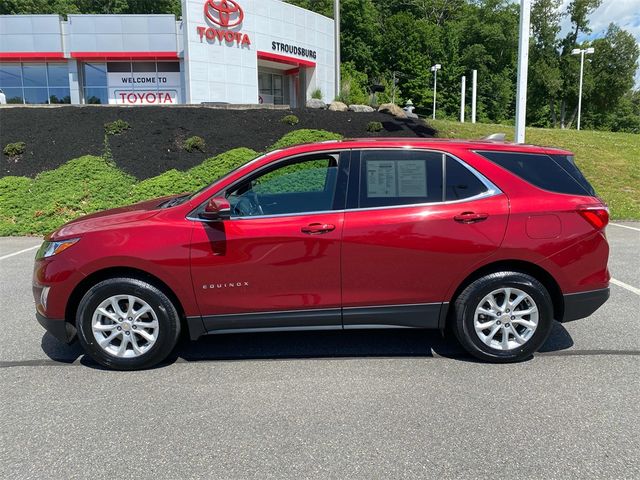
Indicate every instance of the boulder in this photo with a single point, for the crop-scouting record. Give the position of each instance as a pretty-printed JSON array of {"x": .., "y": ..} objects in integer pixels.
[
  {"x": 361, "y": 108},
  {"x": 338, "y": 107},
  {"x": 315, "y": 103},
  {"x": 392, "y": 109},
  {"x": 411, "y": 115}
]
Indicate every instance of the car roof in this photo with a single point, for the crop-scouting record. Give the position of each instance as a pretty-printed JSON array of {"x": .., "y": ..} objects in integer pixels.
[{"x": 436, "y": 143}]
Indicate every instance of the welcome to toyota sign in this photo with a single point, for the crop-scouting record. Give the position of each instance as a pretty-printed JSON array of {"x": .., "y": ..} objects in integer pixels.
[{"x": 144, "y": 88}]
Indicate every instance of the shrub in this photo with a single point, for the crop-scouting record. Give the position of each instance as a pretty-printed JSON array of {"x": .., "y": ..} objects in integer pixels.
[
  {"x": 84, "y": 185},
  {"x": 173, "y": 181},
  {"x": 215, "y": 167},
  {"x": 14, "y": 149},
  {"x": 317, "y": 94},
  {"x": 304, "y": 136},
  {"x": 116, "y": 127},
  {"x": 14, "y": 195},
  {"x": 374, "y": 127},
  {"x": 169, "y": 183},
  {"x": 290, "y": 120},
  {"x": 194, "y": 143}
]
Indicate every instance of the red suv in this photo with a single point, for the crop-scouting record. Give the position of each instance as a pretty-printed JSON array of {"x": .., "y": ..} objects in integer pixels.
[{"x": 493, "y": 240}]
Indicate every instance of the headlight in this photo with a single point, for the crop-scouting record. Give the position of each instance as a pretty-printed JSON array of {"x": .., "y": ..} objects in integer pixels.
[{"x": 49, "y": 249}]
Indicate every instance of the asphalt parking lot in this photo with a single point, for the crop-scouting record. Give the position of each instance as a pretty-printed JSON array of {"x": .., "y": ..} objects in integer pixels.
[{"x": 370, "y": 405}]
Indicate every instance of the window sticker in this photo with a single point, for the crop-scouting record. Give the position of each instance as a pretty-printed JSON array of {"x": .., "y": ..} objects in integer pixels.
[
  {"x": 412, "y": 178},
  {"x": 381, "y": 178}
]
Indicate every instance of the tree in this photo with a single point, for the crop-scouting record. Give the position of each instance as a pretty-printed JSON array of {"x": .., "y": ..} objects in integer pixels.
[
  {"x": 545, "y": 79},
  {"x": 578, "y": 12},
  {"x": 614, "y": 64}
]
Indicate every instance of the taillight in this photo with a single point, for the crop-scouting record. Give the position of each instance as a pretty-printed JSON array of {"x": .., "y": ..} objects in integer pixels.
[{"x": 596, "y": 215}]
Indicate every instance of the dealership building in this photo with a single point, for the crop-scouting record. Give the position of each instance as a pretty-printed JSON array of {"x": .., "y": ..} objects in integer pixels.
[{"x": 221, "y": 51}]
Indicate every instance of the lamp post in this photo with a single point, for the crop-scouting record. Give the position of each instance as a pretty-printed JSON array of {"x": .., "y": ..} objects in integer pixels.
[
  {"x": 581, "y": 52},
  {"x": 435, "y": 69},
  {"x": 523, "y": 66},
  {"x": 474, "y": 95},
  {"x": 336, "y": 26},
  {"x": 463, "y": 89}
]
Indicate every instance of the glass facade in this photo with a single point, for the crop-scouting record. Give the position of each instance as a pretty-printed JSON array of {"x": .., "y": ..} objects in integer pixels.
[
  {"x": 272, "y": 88},
  {"x": 94, "y": 82},
  {"x": 34, "y": 83},
  {"x": 100, "y": 85}
]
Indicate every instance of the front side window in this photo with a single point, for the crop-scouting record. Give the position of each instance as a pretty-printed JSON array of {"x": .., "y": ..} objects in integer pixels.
[
  {"x": 400, "y": 177},
  {"x": 305, "y": 186}
]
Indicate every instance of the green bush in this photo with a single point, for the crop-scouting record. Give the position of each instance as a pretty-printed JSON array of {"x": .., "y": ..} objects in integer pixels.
[
  {"x": 116, "y": 127},
  {"x": 14, "y": 194},
  {"x": 169, "y": 183},
  {"x": 14, "y": 149},
  {"x": 81, "y": 186},
  {"x": 215, "y": 167},
  {"x": 290, "y": 120},
  {"x": 173, "y": 181},
  {"x": 304, "y": 136},
  {"x": 194, "y": 143},
  {"x": 317, "y": 94},
  {"x": 374, "y": 127}
]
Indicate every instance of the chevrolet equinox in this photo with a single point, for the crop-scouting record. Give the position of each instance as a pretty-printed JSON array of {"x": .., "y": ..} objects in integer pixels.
[{"x": 491, "y": 240}]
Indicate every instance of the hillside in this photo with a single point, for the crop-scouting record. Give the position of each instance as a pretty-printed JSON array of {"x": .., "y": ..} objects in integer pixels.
[{"x": 611, "y": 161}]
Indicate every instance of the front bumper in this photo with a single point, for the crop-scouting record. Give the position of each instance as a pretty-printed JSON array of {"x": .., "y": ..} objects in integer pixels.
[
  {"x": 62, "y": 330},
  {"x": 582, "y": 304}
]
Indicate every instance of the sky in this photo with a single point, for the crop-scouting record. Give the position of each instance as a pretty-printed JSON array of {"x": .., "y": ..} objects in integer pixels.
[{"x": 625, "y": 13}]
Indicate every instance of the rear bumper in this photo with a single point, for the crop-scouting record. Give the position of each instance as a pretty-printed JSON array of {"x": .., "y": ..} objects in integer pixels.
[
  {"x": 582, "y": 304},
  {"x": 62, "y": 330}
]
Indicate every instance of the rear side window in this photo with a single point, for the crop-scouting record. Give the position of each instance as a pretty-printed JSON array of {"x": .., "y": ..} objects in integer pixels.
[
  {"x": 400, "y": 177},
  {"x": 567, "y": 162},
  {"x": 461, "y": 183},
  {"x": 543, "y": 171}
]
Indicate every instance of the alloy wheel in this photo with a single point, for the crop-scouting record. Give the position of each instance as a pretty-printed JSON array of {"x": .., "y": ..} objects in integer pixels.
[
  {"x": 125, "y": 326},
  {"x": 506, "y": 318}
]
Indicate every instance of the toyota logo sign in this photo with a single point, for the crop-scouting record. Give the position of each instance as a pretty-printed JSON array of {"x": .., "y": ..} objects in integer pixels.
[{"x": 226, "y": 13}]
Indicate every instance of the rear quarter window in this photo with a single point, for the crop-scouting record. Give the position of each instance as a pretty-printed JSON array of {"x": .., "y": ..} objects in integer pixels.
[{"x": 559, "y": 175}]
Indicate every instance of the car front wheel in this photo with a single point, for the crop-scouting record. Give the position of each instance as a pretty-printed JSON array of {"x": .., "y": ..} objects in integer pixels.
[
  {"x": 503, "y": 317},
  {"x": 127, "y": 324}
]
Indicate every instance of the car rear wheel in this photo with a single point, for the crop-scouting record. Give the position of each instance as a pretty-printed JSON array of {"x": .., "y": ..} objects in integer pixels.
[
  {"x": 127, "y": 324},
  {"x": 503, "y": 317}
]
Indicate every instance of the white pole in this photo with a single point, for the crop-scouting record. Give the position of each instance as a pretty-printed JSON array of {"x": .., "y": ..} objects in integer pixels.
[
  {"x": 393, "y": 94},
  {"x": 462, "y": 94},
  {"x": 580, "y": 93},
  {"x": 474, "y": 93},
  {"x": 435, "y": 83},
  {"x": 336, "y": 26},
  {"x": 523, "y": 66}
]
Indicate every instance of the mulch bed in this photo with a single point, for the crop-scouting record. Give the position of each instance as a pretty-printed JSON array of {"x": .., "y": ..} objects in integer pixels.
[{"x": 152, "y": 144}]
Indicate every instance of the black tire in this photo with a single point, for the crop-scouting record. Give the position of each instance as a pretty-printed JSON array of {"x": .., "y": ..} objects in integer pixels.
[
  {"x": 165, "y": 311},
  {"x": 467, "y": 302}
]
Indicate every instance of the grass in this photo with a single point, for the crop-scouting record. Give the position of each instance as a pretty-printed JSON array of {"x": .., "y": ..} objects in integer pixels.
[
  {"x": 610, "y": 161},
  {"x": 88, "y": 184}
]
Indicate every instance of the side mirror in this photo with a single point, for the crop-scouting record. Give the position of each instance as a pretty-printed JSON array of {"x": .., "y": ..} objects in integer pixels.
[{"x": 216, "y": 209}]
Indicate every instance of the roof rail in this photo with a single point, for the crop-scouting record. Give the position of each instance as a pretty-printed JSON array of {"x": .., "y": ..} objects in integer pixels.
[{"x": 496, "y": 137}]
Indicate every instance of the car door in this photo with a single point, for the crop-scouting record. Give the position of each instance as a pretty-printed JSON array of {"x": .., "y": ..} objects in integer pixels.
[
  {"x": 276, "y": 262},
  {"x": 416, "y": 220}
]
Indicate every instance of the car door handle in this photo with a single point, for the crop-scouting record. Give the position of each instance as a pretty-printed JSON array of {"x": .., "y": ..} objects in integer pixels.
[
  {"x": 317, "y": 228},
  {"x": 471, "y": 217}
]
